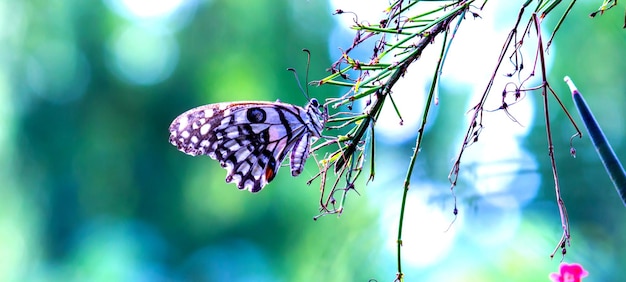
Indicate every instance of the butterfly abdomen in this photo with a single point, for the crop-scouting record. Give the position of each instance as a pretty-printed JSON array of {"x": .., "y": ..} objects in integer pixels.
[{"x": 299, "y": 154}]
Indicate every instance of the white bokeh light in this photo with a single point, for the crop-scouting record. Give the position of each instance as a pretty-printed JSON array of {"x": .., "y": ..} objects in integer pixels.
[
  {"x": 426, "y": 236},
  {"x": 163, "y": 15},
  {"x": 151, "y": 8},
  {"x": 145, "y": 51},
  {"x": 145, "y": 8},
  {"x": 142, "y": 56},
  {"x": 409, "y": 97}
]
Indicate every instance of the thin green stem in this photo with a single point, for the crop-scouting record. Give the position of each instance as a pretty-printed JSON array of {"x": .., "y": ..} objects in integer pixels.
[{"x": 418, "y": 144}]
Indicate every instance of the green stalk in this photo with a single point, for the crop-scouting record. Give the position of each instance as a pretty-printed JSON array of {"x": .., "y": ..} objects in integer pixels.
[{"x": 612, "y": 165}]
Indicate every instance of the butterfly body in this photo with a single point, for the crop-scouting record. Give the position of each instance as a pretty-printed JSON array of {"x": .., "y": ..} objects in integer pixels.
[{"x": 250, "y": 139}]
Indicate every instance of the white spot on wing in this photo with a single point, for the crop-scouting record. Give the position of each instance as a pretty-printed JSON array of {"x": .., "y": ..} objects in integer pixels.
[
  {"x": 232, "y": 145},
  {"x": 208, "y": 113},
  {"x": 243, "y": 167},
  {"x": 205, "y": 128},
  {"x": 257, "y": 171},
  {"x": 233, "y": 134},
  {"x": 183, "y": 122},
  {"x": 236, "y": 178},
  {"x": 242, "y": 154},
  {"x": 249, "y": 184},
  {"x": 228, "y": 166},
  {"x": 205, "y": 143}
]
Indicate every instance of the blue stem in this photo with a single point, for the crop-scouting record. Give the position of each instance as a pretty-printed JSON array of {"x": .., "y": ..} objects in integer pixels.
[{"x": 612, "y": 165}]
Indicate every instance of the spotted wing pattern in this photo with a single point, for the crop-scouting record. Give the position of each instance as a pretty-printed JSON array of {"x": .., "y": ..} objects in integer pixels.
[{"x": 250, "y": 139}]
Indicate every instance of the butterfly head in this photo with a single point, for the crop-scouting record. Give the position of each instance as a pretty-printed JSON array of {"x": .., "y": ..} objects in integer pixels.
[
  {"x": 318, "y": 114},
  {"x": 319, "y": 110},
  {"x": 314, "y": 103}
]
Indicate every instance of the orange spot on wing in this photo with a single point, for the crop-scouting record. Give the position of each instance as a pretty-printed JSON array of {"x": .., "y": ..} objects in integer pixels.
[{"x": 269, "y": 173}]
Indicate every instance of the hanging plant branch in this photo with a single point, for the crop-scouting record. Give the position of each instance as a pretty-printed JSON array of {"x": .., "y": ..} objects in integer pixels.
[
  {"x": 399, "y": 41},
  {"x": 374, "y": 83},
  {"x": 511, "y": 49}
]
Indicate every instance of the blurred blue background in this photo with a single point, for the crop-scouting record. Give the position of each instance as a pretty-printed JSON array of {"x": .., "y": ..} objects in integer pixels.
[{"x": 91, "y": 189}]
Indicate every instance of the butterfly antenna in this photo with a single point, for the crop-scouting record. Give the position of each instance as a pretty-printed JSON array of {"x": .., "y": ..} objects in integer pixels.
[
  {"x": 308, "y": 66},
  {"x": 295, "y": 74}
]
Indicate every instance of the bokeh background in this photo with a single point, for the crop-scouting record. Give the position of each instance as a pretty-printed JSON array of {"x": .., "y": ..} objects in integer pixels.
[{"x": 91, "y": 190}]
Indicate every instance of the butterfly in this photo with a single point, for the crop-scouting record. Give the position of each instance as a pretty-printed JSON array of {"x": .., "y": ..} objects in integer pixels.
[{"x": 250, "y": 139}]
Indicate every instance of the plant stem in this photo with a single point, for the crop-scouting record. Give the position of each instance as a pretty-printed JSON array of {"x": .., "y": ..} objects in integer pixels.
[{"x": 612, "y": 165}]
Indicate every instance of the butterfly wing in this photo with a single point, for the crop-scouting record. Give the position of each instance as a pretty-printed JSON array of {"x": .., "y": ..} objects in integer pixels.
[{"x": 249, "y": 139}]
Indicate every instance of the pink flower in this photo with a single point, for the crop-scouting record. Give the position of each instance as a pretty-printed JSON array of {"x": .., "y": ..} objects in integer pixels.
[{"x": 569, "y": 273}]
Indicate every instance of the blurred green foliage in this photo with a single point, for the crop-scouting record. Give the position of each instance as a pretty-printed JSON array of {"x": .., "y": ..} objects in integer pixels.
[{"x": 92, "y": 190}]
